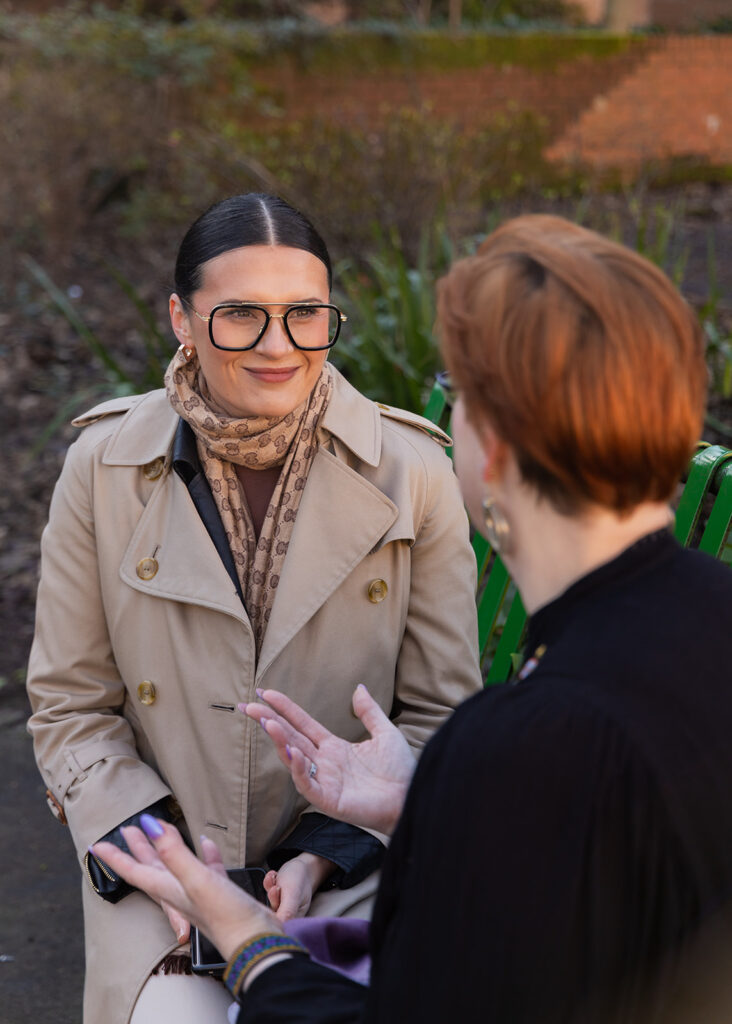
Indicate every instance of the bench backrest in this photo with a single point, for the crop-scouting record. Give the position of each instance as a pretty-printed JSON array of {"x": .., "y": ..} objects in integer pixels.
[{"x": 703, "y": 516}]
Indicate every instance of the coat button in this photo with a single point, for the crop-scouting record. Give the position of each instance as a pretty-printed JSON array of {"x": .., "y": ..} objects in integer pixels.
[
  {"x": 377, "y": 590},
  {"x": 152, "y": 470},
  {"x": 146, "y": 568},
  {"x": 146, "y": 692}
]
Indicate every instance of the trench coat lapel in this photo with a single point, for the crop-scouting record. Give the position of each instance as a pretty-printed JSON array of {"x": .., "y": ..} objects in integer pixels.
[
  {"x": 341, "y": 518},
  {"x": 188, "y": 566},
  {"x": 169, "y": 529}
]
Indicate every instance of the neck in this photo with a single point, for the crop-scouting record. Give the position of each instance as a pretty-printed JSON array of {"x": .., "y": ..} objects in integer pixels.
[{"x": 553, "y": 551}]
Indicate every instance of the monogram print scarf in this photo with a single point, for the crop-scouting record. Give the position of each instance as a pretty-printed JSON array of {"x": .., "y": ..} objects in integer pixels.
[{"x": 259, "y": 442}]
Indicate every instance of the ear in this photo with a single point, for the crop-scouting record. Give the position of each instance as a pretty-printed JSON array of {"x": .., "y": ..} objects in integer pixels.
[
  {"x": 495, "y": 453},
  {"x": 180, "y": 322}
]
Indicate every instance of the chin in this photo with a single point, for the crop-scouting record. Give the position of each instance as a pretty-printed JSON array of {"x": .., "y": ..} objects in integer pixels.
[{"x": 270, "y": 408}]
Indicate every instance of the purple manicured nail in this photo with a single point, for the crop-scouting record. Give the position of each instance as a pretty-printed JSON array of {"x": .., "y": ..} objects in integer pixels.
[
  {"x": 91, "y": 851},
  {"x": 263, "y": 722},
  {"x": 288, "y": 751},
  {"x": 259, "y": 692},
  {"x": 151, "y": 827}
]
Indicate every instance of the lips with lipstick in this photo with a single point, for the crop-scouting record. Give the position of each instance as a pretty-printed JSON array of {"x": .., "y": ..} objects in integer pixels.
[{"x": 272, "y": 376}]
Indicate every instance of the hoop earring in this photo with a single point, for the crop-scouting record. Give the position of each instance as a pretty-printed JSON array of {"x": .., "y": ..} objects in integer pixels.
[
  {"x": 497, "y": 527},
  {"x": 187, "y": 352}
]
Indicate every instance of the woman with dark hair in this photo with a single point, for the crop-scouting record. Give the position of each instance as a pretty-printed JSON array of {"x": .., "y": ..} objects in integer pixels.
[
  {"x": 563, "y": 851},
  {"x": 258, "y": 523}
]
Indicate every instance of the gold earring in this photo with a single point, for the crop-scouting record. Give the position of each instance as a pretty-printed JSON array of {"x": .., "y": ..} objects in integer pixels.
[
  {"x": 187, "y": 352},
  {"x": 497, "y": 527}
]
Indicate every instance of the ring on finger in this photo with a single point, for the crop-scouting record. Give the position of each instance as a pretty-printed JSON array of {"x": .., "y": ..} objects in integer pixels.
[{"x": 313, "y": 770}]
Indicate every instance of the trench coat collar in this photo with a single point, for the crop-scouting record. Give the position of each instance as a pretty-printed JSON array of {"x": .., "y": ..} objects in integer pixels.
[
  {"x": 149, "y": 433},
  {"x": 354, "y": 420},
  {"x": 144, "y": 434}
]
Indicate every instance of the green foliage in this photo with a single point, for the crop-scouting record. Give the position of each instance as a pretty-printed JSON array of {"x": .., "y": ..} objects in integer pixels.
[
  {"x": 654, "y": 237},
  {"x": 389, "y": 351},
  {"x": 372, "y": 50},
  {"x": 474, "y": 12},
  {"x": 155, "y": 347},
  {"x": 652, "y": 230},
  {"x": 117, "y": 40},
  {"x": 721, "y": 25},
  {"x": 718, "y": 337},
  {"x": 93, "y": 108},
  {"x": 402, "y": 172}
]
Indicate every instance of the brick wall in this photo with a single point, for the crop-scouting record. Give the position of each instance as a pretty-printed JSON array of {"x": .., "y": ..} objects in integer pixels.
[
  {"x": 688, "y": 14},
  {"x": 676, "y": 102},
  {"x": 669, "y": 14},
  {"x": 471, "y": 97},
  {"x": 671, "y": 96}
]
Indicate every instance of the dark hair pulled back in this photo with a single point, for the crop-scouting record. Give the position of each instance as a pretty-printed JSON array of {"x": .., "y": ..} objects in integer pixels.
[{"x": 254, "y": 218}]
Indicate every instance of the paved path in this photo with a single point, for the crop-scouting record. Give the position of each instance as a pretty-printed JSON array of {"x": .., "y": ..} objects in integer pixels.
[{"x": 40, "y": 895}]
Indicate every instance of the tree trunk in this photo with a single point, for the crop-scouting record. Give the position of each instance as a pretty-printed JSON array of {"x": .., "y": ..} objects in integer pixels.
[
  {"x": 623, "y": 15},
  {"x": 424, "y": 12},
  {"x": 455, "y": 13}
]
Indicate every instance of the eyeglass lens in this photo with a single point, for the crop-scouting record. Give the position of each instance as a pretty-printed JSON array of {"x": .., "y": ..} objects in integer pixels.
[{"x": 241, "y": 326}]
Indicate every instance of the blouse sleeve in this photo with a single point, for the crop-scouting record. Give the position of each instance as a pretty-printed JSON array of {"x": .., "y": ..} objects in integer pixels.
[{"x": 298, "y": 991}]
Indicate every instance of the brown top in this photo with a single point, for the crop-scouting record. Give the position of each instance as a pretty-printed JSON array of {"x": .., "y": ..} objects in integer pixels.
[{"x": 258, "y": 486}]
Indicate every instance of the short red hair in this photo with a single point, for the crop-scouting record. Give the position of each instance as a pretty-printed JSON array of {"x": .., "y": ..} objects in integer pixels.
[{"x": 582, "y": 356}]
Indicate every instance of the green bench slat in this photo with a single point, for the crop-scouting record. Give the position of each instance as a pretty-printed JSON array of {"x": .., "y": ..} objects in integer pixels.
[
  {"x": 702, "y": 468},
  {"x": 716, "y": 538}
]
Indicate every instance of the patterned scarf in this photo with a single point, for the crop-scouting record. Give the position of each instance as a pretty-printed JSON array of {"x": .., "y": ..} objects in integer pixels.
[{"x": 259, "y": 442}]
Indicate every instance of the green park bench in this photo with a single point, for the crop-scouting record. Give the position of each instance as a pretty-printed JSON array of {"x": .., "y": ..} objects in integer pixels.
[{"x": 703, "y": 515}]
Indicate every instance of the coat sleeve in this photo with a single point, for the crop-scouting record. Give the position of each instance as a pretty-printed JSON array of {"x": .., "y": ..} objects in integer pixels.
[
  {"x": 84, "y": 747},
  {"x": 438, "y": 666}
]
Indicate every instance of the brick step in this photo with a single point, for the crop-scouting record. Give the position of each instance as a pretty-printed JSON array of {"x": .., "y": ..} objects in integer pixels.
[{"x": 676, "y": 102}]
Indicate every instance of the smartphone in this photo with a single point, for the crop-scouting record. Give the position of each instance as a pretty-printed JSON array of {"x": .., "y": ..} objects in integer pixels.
[{"x": 205, "y": 958}]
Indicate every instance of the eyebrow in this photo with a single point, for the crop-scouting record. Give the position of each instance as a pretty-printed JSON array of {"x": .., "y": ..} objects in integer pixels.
[{"x": 256, "y": 302}]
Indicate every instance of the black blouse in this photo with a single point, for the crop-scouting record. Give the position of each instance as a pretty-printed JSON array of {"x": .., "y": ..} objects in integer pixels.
[{"x": 565, "y": 852}]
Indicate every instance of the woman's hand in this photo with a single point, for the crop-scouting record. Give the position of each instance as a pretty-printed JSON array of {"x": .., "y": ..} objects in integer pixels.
[
  {"x": 180, "y": 925},
  {"x": 290, "y": 890},
  {"x": 168, "y": 872},
  {"x": 361, "y": 783}
]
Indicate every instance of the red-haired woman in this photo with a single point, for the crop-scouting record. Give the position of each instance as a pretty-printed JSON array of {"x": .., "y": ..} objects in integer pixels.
[{"x": 563, "y": 854}]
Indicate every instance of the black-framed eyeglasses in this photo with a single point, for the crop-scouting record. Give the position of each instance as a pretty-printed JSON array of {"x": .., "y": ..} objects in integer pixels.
[{"x": 238, "y": 326}]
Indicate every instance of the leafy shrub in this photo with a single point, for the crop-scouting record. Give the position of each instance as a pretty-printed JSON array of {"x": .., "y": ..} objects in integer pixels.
[
  {"x": 473, "y": 11},
  {"x": 388, "y": 350},
  {"x": 402, "y": 173},
  {"x": 94, "y": 106}
]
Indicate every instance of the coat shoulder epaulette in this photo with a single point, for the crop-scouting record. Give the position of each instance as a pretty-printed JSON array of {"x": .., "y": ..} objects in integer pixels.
[
  {"x": 412, "y": 419},
  {"x": 112, "y": 407}
]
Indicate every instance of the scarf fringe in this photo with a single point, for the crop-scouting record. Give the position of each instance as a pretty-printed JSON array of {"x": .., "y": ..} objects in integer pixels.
[{"x": 175, "y": 963}]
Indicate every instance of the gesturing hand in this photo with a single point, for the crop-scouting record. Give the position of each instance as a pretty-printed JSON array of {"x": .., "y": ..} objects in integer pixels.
[
  {"x": 361, "y": 783},
  {"x": 167, "y": 871}
]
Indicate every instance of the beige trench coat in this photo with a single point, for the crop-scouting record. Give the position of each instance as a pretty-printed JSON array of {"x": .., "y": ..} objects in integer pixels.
[{"x": 381, "y": 503}]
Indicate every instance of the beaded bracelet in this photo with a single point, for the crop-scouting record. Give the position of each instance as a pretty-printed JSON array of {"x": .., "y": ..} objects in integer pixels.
[{"x": 252, "y": 953}]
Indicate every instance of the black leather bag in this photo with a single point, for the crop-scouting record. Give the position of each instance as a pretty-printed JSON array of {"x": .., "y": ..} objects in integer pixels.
[{"x": 105, "y": 882}]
